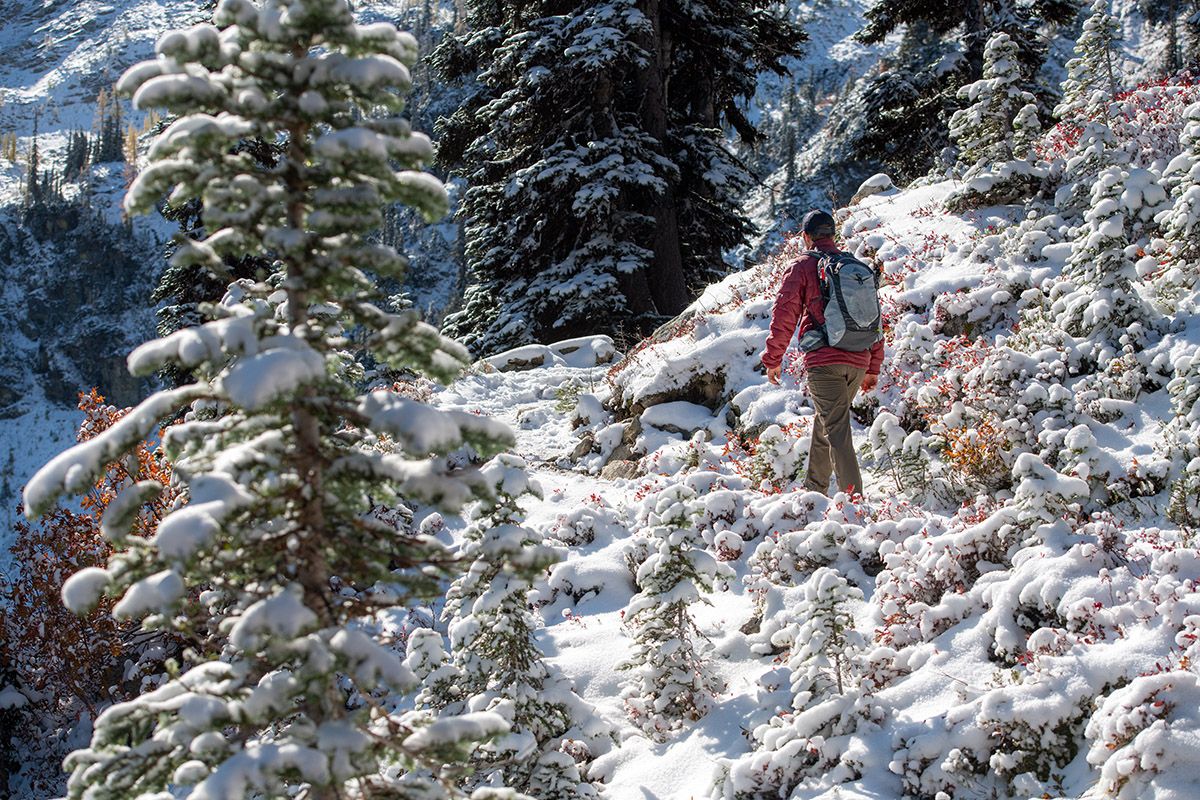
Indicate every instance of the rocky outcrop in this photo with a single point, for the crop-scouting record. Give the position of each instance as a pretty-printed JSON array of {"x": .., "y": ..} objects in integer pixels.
[{"x": 76, "y": 301}]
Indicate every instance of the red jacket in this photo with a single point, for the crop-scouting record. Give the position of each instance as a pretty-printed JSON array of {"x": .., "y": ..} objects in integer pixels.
[{"x": 799, "y": 303}]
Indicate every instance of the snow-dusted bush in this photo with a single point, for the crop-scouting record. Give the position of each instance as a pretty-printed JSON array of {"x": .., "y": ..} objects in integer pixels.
[
  {"x": 277, "y": 452},
  {"x": 778, "y": 457},
  {"x": 898, "y": 454},
  {"x": 1143, "y": 737},
  {"x": 670, "y": 682},
  {"x": 927, "y": 585}
]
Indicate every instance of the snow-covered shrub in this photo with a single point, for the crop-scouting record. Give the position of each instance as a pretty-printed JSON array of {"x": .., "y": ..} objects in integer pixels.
[
  {"x": 898, "y": 454},
  {"x": 68, "y": 667},
  {"x": 1143, "y": 737},
  {"x": 927, "y": 582},
  {"x": 787, "y": 558},
  {"x": 1082, "y": 457},
  {"x": 590, "y": 523},
  {"x": 1034, "y": 725},
  {"x": 276, "y": 452},
  {"x": 670, "y": 682},
  {"x": 778, "y": 457},
  {"x": 1044, "y": 497},
  {"x": 831, "y": 683},
  {"x": 498, "y": 665}
]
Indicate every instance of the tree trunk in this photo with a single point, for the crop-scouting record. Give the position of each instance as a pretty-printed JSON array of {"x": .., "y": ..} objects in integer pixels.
[
  {"x": 975, "y": 19},
  {"x": 665, "y": 279},
  {"x": 1173, "y": 60}
]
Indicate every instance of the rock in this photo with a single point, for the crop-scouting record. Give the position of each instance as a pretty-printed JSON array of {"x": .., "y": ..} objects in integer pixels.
[
  {"x": 522, "y": 358},
  {"x": 679, "y": 417},
  {"x": 587, "y": 410},
  {"x": 618, "y": 470},
  {"x": 586, "y": 351},
  {"x": 586, "y": 443},
  {"x": 627, "y": 449},
  {"x": 703, "y": 389},
  {"x": 876, "y": 184}
]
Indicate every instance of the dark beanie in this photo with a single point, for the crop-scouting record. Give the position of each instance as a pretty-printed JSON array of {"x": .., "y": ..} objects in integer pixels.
[{"x": 818, "y": 224}]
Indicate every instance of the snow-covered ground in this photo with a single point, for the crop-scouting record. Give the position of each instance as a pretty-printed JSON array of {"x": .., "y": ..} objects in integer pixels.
[{"x": 1018, "y": 630}]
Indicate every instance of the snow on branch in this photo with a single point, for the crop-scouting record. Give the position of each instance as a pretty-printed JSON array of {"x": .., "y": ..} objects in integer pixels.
[{"x": 76, "y": 469}]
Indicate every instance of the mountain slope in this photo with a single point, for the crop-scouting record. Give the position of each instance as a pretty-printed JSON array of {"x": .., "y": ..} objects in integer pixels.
[{"x": 1019, "y": 592}]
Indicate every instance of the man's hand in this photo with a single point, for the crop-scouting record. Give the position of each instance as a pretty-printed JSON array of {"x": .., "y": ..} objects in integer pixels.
[
  {"x": 773, "y": 374},
  {"x": 869, "y": 382}
]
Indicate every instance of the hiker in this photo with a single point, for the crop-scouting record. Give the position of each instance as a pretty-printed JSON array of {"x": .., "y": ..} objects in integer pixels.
[{"x": 834, "y": 375}]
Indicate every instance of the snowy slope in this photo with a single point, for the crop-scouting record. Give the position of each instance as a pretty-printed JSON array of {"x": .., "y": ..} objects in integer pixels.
[{"x": 1018, "y": 630}]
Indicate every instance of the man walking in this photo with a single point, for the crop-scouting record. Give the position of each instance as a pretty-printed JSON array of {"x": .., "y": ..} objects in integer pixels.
[{"x": 834, "y": 375}]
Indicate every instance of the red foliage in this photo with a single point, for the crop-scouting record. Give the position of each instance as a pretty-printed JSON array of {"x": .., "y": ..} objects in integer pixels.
[{"x": 70, "y": 663}]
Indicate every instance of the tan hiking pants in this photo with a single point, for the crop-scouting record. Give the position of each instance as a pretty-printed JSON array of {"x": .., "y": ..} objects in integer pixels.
[{"x": 832, "y": 388}]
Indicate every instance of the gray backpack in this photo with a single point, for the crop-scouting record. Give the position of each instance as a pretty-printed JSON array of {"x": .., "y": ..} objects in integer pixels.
[{"x": 850, "y": 293}]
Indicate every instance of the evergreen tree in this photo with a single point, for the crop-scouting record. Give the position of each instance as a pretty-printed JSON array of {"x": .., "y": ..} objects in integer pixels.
[
  {"x": 1091, "y": 82},
  {"x": 1098, "y": 301},
  {"x": 1167, "y": 13},
  {"x": 1181, "y": 222},
  {"x": 109, "y": 131},
  {"x": 599, "y": 193},
  {"x": 831, "y": 683},
  {"x": 76, "y": 157},
  {"x": 33, "y": 189},
  {"x": 185, "y": 286},
  {"x": 1191, "y": 24},
  {"x": 909, "y": 104},
  {"x": 498, "y": 666},
  {"x": 1026, "y": 130},
  {"x": 671, "y": 684},
  {"x": 1180, "y": 442},
  {"x": 278, "y": 457},
  {"x": 984, "y": 130}
]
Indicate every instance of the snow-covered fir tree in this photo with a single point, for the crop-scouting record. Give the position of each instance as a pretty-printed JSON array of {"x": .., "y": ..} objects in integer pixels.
[
  {"x": 984, "y": 130},
  {"x": 830, "y": 685},
  {"x": 1180, "y": 442},
  {"x": 1180, "y": 223},
  {"x": 1091, "y": 82},
  {"x": 1098, "y": 301},
  {"x": 273, "y": 567},
  {"x": 671, "y": 683},
  {"x": 1097, "y": 150},
  {"x": 598, "y": 200},
  {"x": 497, "y": 665},
  {"x": 1026, "y": 129},
  {"x": 942, "y": 50}
]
